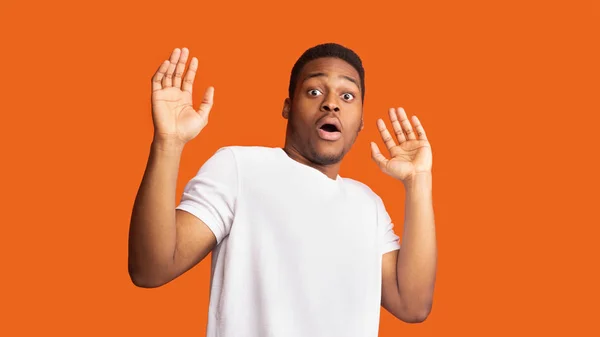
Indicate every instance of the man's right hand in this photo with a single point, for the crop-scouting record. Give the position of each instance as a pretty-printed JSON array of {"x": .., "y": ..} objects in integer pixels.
[
  {"x": 174, "y": 117},
  {"x": 165, "y": 242}
]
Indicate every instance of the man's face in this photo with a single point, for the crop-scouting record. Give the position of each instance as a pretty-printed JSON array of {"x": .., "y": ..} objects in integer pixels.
[{"x": 325, "y": 115}]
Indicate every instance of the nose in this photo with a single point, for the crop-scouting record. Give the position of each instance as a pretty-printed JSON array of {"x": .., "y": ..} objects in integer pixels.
[{"x": 329, "y": 106}]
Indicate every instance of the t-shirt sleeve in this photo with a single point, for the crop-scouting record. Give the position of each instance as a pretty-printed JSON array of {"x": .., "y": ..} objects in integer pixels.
[
  {"x": 211, "y": 194},
  {"x": 389, "y": 239}
]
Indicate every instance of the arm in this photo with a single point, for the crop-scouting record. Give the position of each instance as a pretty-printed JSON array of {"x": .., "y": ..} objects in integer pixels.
[
  {"x": 165, "y": 242},
  {"x": 409, "y": 273}
]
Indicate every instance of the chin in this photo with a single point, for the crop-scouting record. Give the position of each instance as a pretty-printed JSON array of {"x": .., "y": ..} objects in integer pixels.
[{"x": 327, "y": 155}]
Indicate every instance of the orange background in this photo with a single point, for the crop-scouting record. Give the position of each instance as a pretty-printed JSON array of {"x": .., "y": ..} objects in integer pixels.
[{"x": 508, "y": 93}]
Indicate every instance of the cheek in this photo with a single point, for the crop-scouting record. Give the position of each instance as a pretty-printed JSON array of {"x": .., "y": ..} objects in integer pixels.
[
  {"x": 307, "y": 106},
  {"x": 303, "y": 112},
  {"x": 354, "y": 121}
]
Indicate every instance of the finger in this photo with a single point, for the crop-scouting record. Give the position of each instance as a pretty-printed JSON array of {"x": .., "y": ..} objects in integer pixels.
[
  {"x": 396, "y": 126},
  {"x": 385, "y": 134},
  {"x": 406, "y": 126},
  {"x": 188, "y": 81},
  {"x": 168, "y": 79},
  {"x": 180, "y": 68},
  {"x": 207, "y": 102},
  {"x": 419, "y": 128},
  {"x": 158, "y": 76},
  {"x": 377, "y": 157}
]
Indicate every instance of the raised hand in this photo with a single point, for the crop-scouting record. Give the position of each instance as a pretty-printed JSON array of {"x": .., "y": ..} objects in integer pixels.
[
  {"x": 411, "y": 156},
  {"x": 174, "y": 117}
]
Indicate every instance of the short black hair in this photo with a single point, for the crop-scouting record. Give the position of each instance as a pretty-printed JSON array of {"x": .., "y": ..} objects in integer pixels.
[{"x": 327, "y": 50}]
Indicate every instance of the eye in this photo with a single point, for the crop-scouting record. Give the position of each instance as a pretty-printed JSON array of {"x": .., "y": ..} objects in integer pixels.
[
  {"x": 348, "y": 96},
  {"x": 314, "y": 92}
]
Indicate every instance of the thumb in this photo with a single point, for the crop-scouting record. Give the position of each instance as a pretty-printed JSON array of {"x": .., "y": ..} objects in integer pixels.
[
  {"x": 378, "y": 158},
  {"x": 207, "y": 102}
]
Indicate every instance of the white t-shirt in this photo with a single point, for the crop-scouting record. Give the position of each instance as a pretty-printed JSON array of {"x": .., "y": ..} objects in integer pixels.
[{"x": 298, "y": 254}]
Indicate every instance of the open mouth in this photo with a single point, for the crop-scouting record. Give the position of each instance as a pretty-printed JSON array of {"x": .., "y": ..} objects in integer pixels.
[
  {"x": 329, "y": 132},
  {"x": 329, "y": 128}
]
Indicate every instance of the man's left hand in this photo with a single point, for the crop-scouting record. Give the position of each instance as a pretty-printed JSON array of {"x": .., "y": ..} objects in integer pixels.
[{"x": 411, "y": 156}]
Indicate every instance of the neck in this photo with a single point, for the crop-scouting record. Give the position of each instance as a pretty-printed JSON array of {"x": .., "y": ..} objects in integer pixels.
[{"x": 331, "y": 171}]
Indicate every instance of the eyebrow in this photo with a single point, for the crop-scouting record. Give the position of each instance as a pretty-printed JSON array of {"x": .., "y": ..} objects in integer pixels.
[{"x": 324, "y": 75}]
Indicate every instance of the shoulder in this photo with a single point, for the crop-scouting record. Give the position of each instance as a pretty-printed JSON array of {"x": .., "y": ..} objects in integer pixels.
[
  {"x": 241, "y": 152},
  {"x": 362, "y": 189},
  {"x": 252, "y": 155},
  {"x": 367, "y": 199},
  {"x": 244, "y": 158}
]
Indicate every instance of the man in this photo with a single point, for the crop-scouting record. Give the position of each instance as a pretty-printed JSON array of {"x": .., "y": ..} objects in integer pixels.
[{"x": 297, "y": 250}]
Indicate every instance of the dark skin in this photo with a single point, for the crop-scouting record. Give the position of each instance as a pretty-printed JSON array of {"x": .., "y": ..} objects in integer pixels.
[
  {"x": 407, "y": 279},
  {"x": 164, "y": 242},
  {"x": 327, "y": 88}
]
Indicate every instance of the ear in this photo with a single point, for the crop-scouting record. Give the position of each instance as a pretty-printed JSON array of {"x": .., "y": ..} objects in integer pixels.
[
  {"x": 362, "y": 124},
  {"x": 287, "y": 105}
]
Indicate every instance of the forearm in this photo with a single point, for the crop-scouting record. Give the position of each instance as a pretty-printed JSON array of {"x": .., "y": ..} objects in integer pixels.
[
  {"x": 152, "y": 235},
  {"x": 417, "y": 258}
]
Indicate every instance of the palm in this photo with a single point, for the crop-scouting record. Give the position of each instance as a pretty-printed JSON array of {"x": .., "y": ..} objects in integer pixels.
[
  {"x": 173, "y": 113},
  {"x": 411, "y": 155}
]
